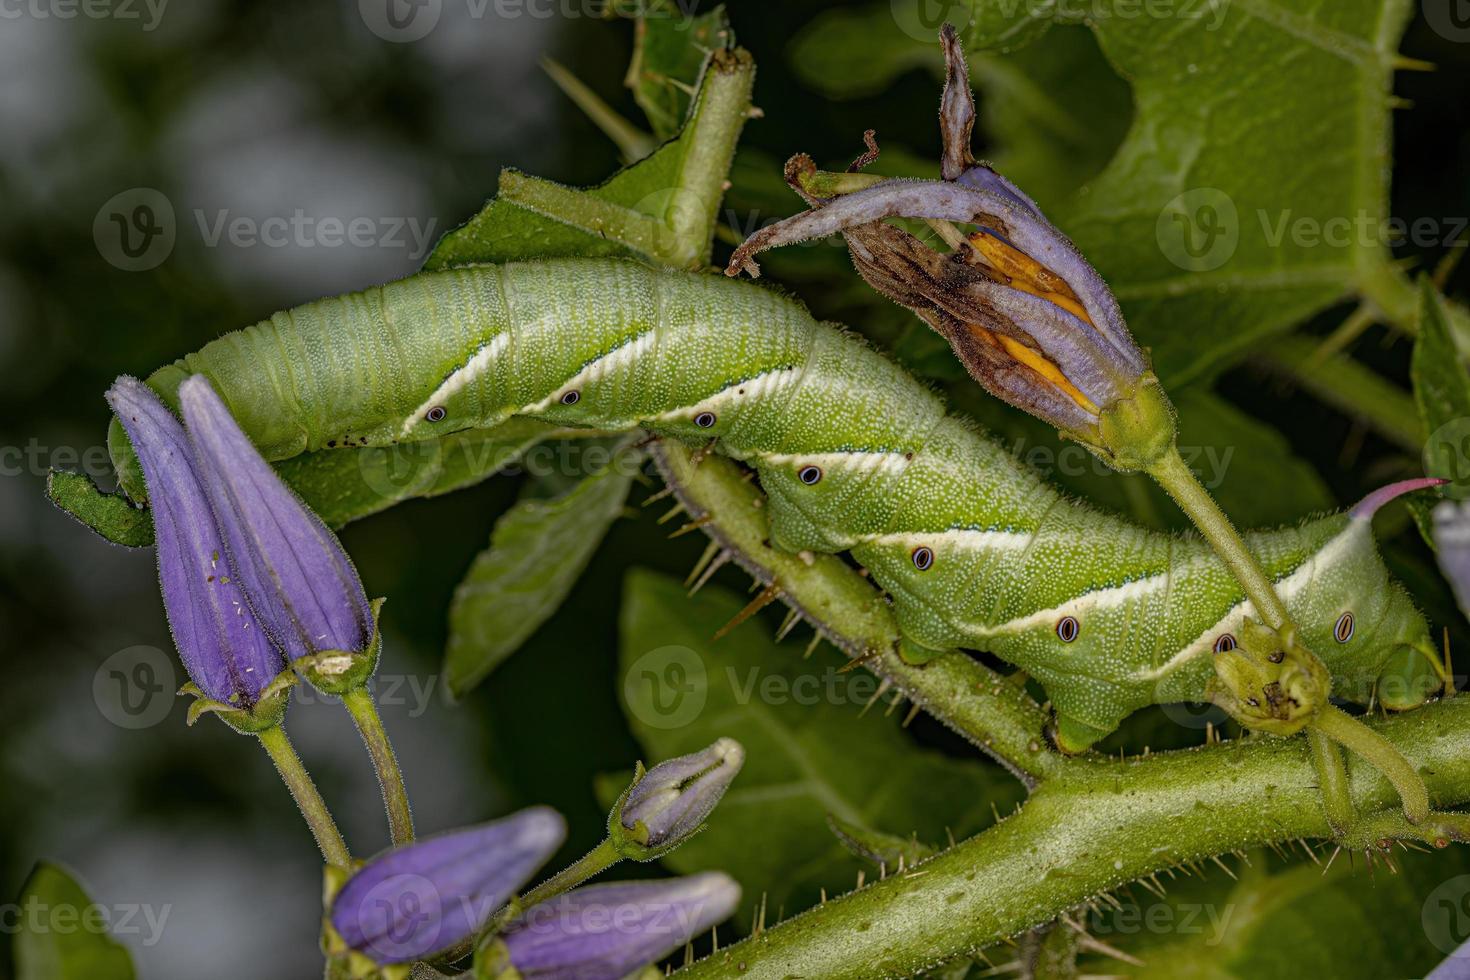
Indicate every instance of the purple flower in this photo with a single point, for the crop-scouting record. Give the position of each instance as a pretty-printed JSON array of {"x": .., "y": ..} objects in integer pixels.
[
  {"x": 1022, "y": 309},
  {"x": 415, "y": 900},
  {"x": 604, "y": 932},
  {"x": 226, "y": 653},
  {"x": 672, "y": 800},
  {"x": 295, "y": 573}
]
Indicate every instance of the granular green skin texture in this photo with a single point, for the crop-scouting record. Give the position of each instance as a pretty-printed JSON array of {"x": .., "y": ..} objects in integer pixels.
[{"x": 853, "y": 452}]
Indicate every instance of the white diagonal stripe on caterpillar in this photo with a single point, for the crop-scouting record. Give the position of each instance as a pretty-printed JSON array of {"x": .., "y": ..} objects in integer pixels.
[
  {"x": 470, "y": 371},
  {"x": 1288, "y": 588},
  {"x": 625, "y": 355},
  {"x": 753, "y": 390}
]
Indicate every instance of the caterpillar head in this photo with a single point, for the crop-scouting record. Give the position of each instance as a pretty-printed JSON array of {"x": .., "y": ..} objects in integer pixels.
[{"x": 1269, "y": 682}]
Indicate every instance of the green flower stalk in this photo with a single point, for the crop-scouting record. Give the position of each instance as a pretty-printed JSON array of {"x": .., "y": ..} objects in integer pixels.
[
  {"x": 297, "y": 577},
  {"x": 236, "y": 671},
  {"x": 1036, "y": 325}
]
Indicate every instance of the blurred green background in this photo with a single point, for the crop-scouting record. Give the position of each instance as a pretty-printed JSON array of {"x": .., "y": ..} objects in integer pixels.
[{"x": 253, "y": 110}]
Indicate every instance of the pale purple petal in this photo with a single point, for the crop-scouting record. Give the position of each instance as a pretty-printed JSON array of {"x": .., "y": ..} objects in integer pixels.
[
  {"x": 605, "y": 932},
  {"x": 416, "y": 900},
  {"x": 224, "y": 650},
  {"x": 1017, "y": 224},
  {"x": 1456, "y": 966},
  {"x": 294, "y": 571},
  {"x": 674, "y": 798},
  {"x": 1452, "y": 547}
]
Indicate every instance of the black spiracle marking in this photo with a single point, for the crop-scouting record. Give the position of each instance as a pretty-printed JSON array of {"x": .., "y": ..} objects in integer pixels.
[
  {"x": 436, "y": 414},
  {"x": 1224, "y": 643},
  {"x": 923, "y": 558},
  {"x": 1067, "y": 629},
  {"x": 1344, "y": 629},
  {"x": 704, "y": 419},
  {"x": 810, "y": 475},
  {"x": 571, "y": 397}
]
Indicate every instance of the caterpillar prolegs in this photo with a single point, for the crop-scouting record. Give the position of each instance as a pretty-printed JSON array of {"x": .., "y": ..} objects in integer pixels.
[{"x": 854, "y": 453}]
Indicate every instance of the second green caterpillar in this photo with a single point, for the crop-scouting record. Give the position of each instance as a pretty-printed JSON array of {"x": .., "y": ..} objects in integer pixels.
[{"x": 855, "y": 454}]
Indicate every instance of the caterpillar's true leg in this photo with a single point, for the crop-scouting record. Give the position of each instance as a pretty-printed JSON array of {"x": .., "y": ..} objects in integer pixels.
[
  {"x": 1410, "y": 676},
  {"x": 1072, "y": 736}
]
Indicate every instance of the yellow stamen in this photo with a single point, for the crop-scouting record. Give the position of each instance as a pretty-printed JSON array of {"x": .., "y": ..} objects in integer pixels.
[
  {"x": 1027, "y": 274},
  {"x": 1038, "y": 363}
]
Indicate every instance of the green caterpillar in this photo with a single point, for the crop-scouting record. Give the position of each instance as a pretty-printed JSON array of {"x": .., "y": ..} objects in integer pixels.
[{"x": 855, "y": 454}]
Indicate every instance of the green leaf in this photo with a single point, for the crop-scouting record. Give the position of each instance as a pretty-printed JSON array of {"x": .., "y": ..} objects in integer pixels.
[
  {"x": 668, "y": 52},
  {"x": 1195, "y": 221},
  {"x": 1053, "y": 114},
  {"x": 810, "y": 750},
  {"x": 343, "y": 485},
  {"x": 1442, "y": 391},
  {"x": 1293, "y": 921},
  {"x": 1246, "y": 464},
  {"x": 884, "y": 851},
  {"x": 111, "y": 515},
  {"x": 1236, "y": 204},
  {"x": 538, "y": 550},
  {"x": 61, "y": 934},
  {"x": 662, "y": 208}
]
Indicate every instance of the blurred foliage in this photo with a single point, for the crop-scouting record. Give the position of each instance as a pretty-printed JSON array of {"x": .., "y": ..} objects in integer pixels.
[
  {"x": 61, "y": 934},
  {"x": 1261, "y": 916},
  {"x": 811, "y": 750}
]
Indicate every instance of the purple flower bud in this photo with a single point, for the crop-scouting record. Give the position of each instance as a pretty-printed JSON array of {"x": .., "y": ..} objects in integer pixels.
[
  {"x": 1026, "y": 314},
  {"x": 295, "y": 573},
  {"x": 672, "y": 800},
  {"x": 604, "y": 932},
  {"x": 415, "y": 900},
  {"x": 226, "y": 653}
]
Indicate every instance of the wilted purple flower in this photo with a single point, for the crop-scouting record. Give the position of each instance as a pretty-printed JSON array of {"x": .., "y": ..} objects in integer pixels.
[
  {"x": 604, "y": 932},
  {"x": 671, "y": 801},
  {"x": 1025, "y": 313},
  {"x": 415, "y": 900},
  {"x": 294, "y": 571},
  {"x": 226, "y": 653}
]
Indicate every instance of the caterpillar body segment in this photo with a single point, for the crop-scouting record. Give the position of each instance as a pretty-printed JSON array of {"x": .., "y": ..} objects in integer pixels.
[{"x": 854, "y": 453}]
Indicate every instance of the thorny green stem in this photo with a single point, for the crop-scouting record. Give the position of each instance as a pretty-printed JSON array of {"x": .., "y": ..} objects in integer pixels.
[
  {"x": 278, "y": 746},
  {"x": 364, "y": 711},
  {"x": 673, "y": 229},
  {"x": 995, "y": 714},
  {"x": 1096, "y": 825}
]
